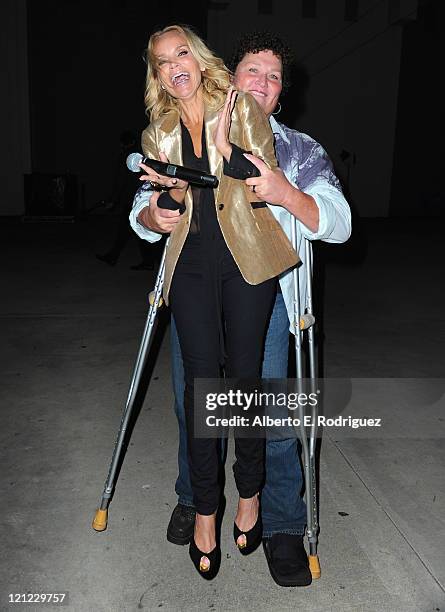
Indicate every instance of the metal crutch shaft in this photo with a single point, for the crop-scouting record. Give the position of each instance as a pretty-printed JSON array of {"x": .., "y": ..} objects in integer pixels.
[
  {"x": 101, "y": 516},
  {"x": 310, "y": 468},
  {"x": 308, "y": 449}
]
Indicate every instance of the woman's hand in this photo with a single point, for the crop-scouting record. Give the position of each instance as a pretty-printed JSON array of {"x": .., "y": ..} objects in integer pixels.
[
  {"x": 221, "y": 133},
  {"x": 274, "y": 188},
  {"x": 160, "y": 220},
  {"x": 176, "y": 186}
]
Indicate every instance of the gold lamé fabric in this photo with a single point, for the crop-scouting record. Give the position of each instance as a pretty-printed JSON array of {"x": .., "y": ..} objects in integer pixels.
[{"x": 258, "y": 245}]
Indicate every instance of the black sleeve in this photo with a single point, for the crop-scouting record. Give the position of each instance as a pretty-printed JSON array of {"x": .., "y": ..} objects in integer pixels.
[
  {"x": 166, "y": 201},
  {"x": 238, "y": 166}
]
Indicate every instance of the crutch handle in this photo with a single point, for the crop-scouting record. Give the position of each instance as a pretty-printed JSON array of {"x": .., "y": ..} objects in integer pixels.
[
  {"x": 306, "y": 321},
  {"x": 151, "y": 299}
]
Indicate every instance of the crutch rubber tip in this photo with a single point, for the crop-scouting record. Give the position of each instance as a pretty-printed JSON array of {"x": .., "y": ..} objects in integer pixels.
[
  {"x": 314, "y": 566},
  {"x": 100, "y": 520},
  {"x": 151, "y": 299}
]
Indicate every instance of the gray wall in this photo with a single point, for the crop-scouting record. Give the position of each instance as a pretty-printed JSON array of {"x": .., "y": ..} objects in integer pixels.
[
  {"x": 14, "y": 107},
  {"x": 353, "y": 74},
  {"x": 73, "y": 80}
]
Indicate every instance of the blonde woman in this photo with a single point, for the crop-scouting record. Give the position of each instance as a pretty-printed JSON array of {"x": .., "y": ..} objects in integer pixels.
[{"x": 224, "y": 255}]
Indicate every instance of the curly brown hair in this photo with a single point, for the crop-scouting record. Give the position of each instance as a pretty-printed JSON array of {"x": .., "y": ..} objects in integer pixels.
[{"x": 263, "y": 40}]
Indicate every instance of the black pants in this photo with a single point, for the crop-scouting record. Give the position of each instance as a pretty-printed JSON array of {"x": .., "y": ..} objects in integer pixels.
[{"x": 246, "y": 310}]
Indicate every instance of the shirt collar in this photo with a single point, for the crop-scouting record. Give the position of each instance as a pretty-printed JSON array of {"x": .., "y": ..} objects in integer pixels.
[{"x": 277, "y": 128}]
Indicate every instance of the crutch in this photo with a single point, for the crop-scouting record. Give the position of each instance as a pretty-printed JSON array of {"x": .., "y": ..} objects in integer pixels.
[
  {"x": 306, "y": 322},
  {"x": 101, "y": 517}
]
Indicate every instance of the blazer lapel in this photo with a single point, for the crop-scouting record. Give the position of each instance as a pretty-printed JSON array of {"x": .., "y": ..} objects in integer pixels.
[
  {"x": 171, "y": 144},
  {"x": 170, "y": 141},
  {"x": 215, "y": 158}
]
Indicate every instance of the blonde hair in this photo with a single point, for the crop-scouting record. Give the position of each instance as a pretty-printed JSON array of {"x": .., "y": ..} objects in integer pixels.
[{"x": 215, "y": 77}]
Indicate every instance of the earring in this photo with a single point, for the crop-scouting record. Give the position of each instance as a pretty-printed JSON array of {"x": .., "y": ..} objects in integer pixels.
[
  {"x": 278, "y": 111},
  {"x": 162, "y": 86}
]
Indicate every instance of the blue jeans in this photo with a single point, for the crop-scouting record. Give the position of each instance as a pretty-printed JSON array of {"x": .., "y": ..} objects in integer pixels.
[{"x": 282, "y": 507}]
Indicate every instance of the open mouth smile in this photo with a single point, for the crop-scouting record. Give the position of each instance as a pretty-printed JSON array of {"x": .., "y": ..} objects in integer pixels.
[
  {"x": 180, "y": 78},
  {"x": 255, "y": 92}
]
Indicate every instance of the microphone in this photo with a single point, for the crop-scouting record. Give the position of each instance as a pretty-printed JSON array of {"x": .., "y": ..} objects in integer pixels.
[{"x": 186, "y": 174}]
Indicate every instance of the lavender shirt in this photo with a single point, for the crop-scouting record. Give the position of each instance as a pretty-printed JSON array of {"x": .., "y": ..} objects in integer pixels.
[{"x": 308, "y": 167}]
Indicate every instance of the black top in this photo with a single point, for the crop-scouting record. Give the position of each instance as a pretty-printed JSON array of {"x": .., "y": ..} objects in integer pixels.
[
  {"x": 204, "y": 213},
  {"x": 205, "y": 238}
]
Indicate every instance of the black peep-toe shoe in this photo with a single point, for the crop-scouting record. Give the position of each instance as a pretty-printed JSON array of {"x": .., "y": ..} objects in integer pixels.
[
  {"x": 253, "y": 536},
  {"x": 214, "y": 556}
]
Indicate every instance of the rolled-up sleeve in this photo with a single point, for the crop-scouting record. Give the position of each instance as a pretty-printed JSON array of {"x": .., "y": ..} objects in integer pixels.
[
  {"x": 140, "y": 201},
  {"x": 143, "y": 194},
  {"x": 334, "y": 213}
]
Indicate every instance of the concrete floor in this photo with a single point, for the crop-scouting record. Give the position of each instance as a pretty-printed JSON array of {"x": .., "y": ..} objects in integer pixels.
[{"x": 70, "y": 330}]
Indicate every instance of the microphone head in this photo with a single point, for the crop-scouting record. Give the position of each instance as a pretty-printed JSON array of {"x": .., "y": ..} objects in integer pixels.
[{"x": 133, "y": 161}]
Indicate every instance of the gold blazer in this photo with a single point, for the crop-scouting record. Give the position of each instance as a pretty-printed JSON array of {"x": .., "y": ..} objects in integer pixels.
[{"x": 258, "y": 245}]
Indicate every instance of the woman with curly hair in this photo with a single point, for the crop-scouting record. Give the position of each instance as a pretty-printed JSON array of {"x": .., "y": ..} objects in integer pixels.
[{"x": 224, "y": 255}]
